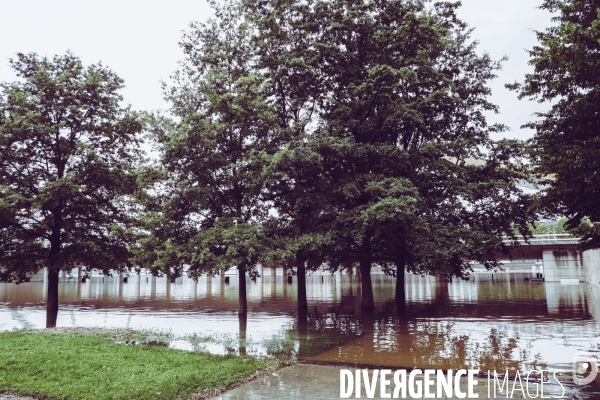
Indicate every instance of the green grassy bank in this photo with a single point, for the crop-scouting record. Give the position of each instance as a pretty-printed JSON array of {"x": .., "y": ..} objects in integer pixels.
[{"x": 76, "y": 366}]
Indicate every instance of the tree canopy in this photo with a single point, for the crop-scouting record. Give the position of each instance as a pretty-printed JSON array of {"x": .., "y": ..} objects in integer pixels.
[
  {"x": 68, "y": 153},
  {"x": 566, "y": 145},
  {"x": 361, "y": 124},
  {"x": 296, "y": 183},
  {"x": 399, "y": 115},
  {"x": 214, "y": 149}
]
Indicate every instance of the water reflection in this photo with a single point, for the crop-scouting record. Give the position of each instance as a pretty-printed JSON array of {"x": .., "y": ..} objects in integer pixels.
[
  {"x": 491, "y": 325},
  {"x": 243, "y": 321}
]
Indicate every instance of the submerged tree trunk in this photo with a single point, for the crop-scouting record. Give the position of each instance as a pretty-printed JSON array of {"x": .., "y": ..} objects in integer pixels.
[
  {"x": 400, "y": 287},
  {"x": 52, "y": 298},
  {"x": 442, "y": 296},
  {"x": 243, "y": 308},
  {"x": 301, "y": 273},
  {"x": 367, "y": 302}
]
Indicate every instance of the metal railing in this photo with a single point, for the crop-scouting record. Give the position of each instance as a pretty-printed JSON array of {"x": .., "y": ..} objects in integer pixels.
[{"x": 554, "y": 237}]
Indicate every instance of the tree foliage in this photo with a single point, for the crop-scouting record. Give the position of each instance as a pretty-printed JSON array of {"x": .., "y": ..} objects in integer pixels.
[
  {"x": 68, "y": 153},
  {"x": 213, "y": 152},
  {"x": 357, "y": 121},
  {"x": 566, "y": 145},
  {"x": 287, "y": 57},
  {"x": 399, "y": 117}
]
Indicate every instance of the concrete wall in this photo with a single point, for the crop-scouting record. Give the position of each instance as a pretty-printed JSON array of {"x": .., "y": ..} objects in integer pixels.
[
  {"x": 591, "y": 262},
  {"x": 563, "y": 264}
]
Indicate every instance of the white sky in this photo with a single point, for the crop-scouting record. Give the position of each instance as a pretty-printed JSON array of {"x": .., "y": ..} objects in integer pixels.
[{"x": 139, "y": 41}]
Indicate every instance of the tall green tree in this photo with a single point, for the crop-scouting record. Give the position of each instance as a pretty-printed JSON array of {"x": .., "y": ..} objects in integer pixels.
[
  {"x": 214, "y": 150},
  {"x": 287, "y": 56},
  {"x": 400, "y": 115},
  {"x": 68, "y": 155},
  {"x": 566, "y": 145},
  {"x": 304, "y": 211}
]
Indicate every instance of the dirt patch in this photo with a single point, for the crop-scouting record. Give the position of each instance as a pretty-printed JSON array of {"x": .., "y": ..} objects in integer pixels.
[
  {"x": 127, "y": 336},
  {"x": 14, "y": 397},
  {"x": 213, "y": 392},
  {"x": 87, "y": 331}
]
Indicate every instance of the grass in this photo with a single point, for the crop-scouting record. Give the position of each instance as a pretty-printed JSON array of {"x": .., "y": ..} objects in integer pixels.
[{"x": 92, "y": 366}]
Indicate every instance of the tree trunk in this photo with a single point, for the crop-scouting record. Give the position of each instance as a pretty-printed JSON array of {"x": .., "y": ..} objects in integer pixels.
[
  {"x": 301, "y": 273},
  {"x": 52, "y": 298},
  {"x": 442, "y": 296},
  {"x": 367, "y": 302},
  {"x": 243, "y": 309},
  {"x": 400, "y": 289},
  {"x": 222, "y": 276}
]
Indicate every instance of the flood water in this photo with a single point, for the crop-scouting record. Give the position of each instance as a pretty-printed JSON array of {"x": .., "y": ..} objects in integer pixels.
[{"x": 505, "y": 324}]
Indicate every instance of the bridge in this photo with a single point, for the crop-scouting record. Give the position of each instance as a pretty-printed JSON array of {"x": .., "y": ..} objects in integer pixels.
[{"x": 561, "y": 260}]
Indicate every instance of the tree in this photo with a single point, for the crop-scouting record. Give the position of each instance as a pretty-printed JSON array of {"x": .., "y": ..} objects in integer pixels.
[
  {"x": 287, "y": 56},
  {"x": 68, "y": 154},
  {"x": 401, "y": 111},
  {"x": 551, "y": 227},
  {"x": 304, "y": 211},
  {"x": 566, "y": 144},
  {"x": 214, "y": 151}
]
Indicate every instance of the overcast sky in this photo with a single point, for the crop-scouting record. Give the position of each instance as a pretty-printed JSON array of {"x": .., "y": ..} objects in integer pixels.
[{"x": 139, "y": 41}]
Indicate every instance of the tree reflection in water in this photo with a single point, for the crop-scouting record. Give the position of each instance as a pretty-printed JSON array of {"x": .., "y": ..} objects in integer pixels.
[
  {"x": 489, "y": 325},
  {"x": 242, "y": 340},
  {"x": 392, "y": 339},
  {"x": 419, "y": 335}
]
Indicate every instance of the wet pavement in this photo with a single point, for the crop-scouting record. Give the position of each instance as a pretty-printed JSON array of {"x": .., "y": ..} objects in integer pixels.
[{"x": 308, "y": 382}]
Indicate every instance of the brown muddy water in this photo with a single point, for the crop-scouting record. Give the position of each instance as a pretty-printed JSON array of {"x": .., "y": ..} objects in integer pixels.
[{"x": 508, "y": 323}]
